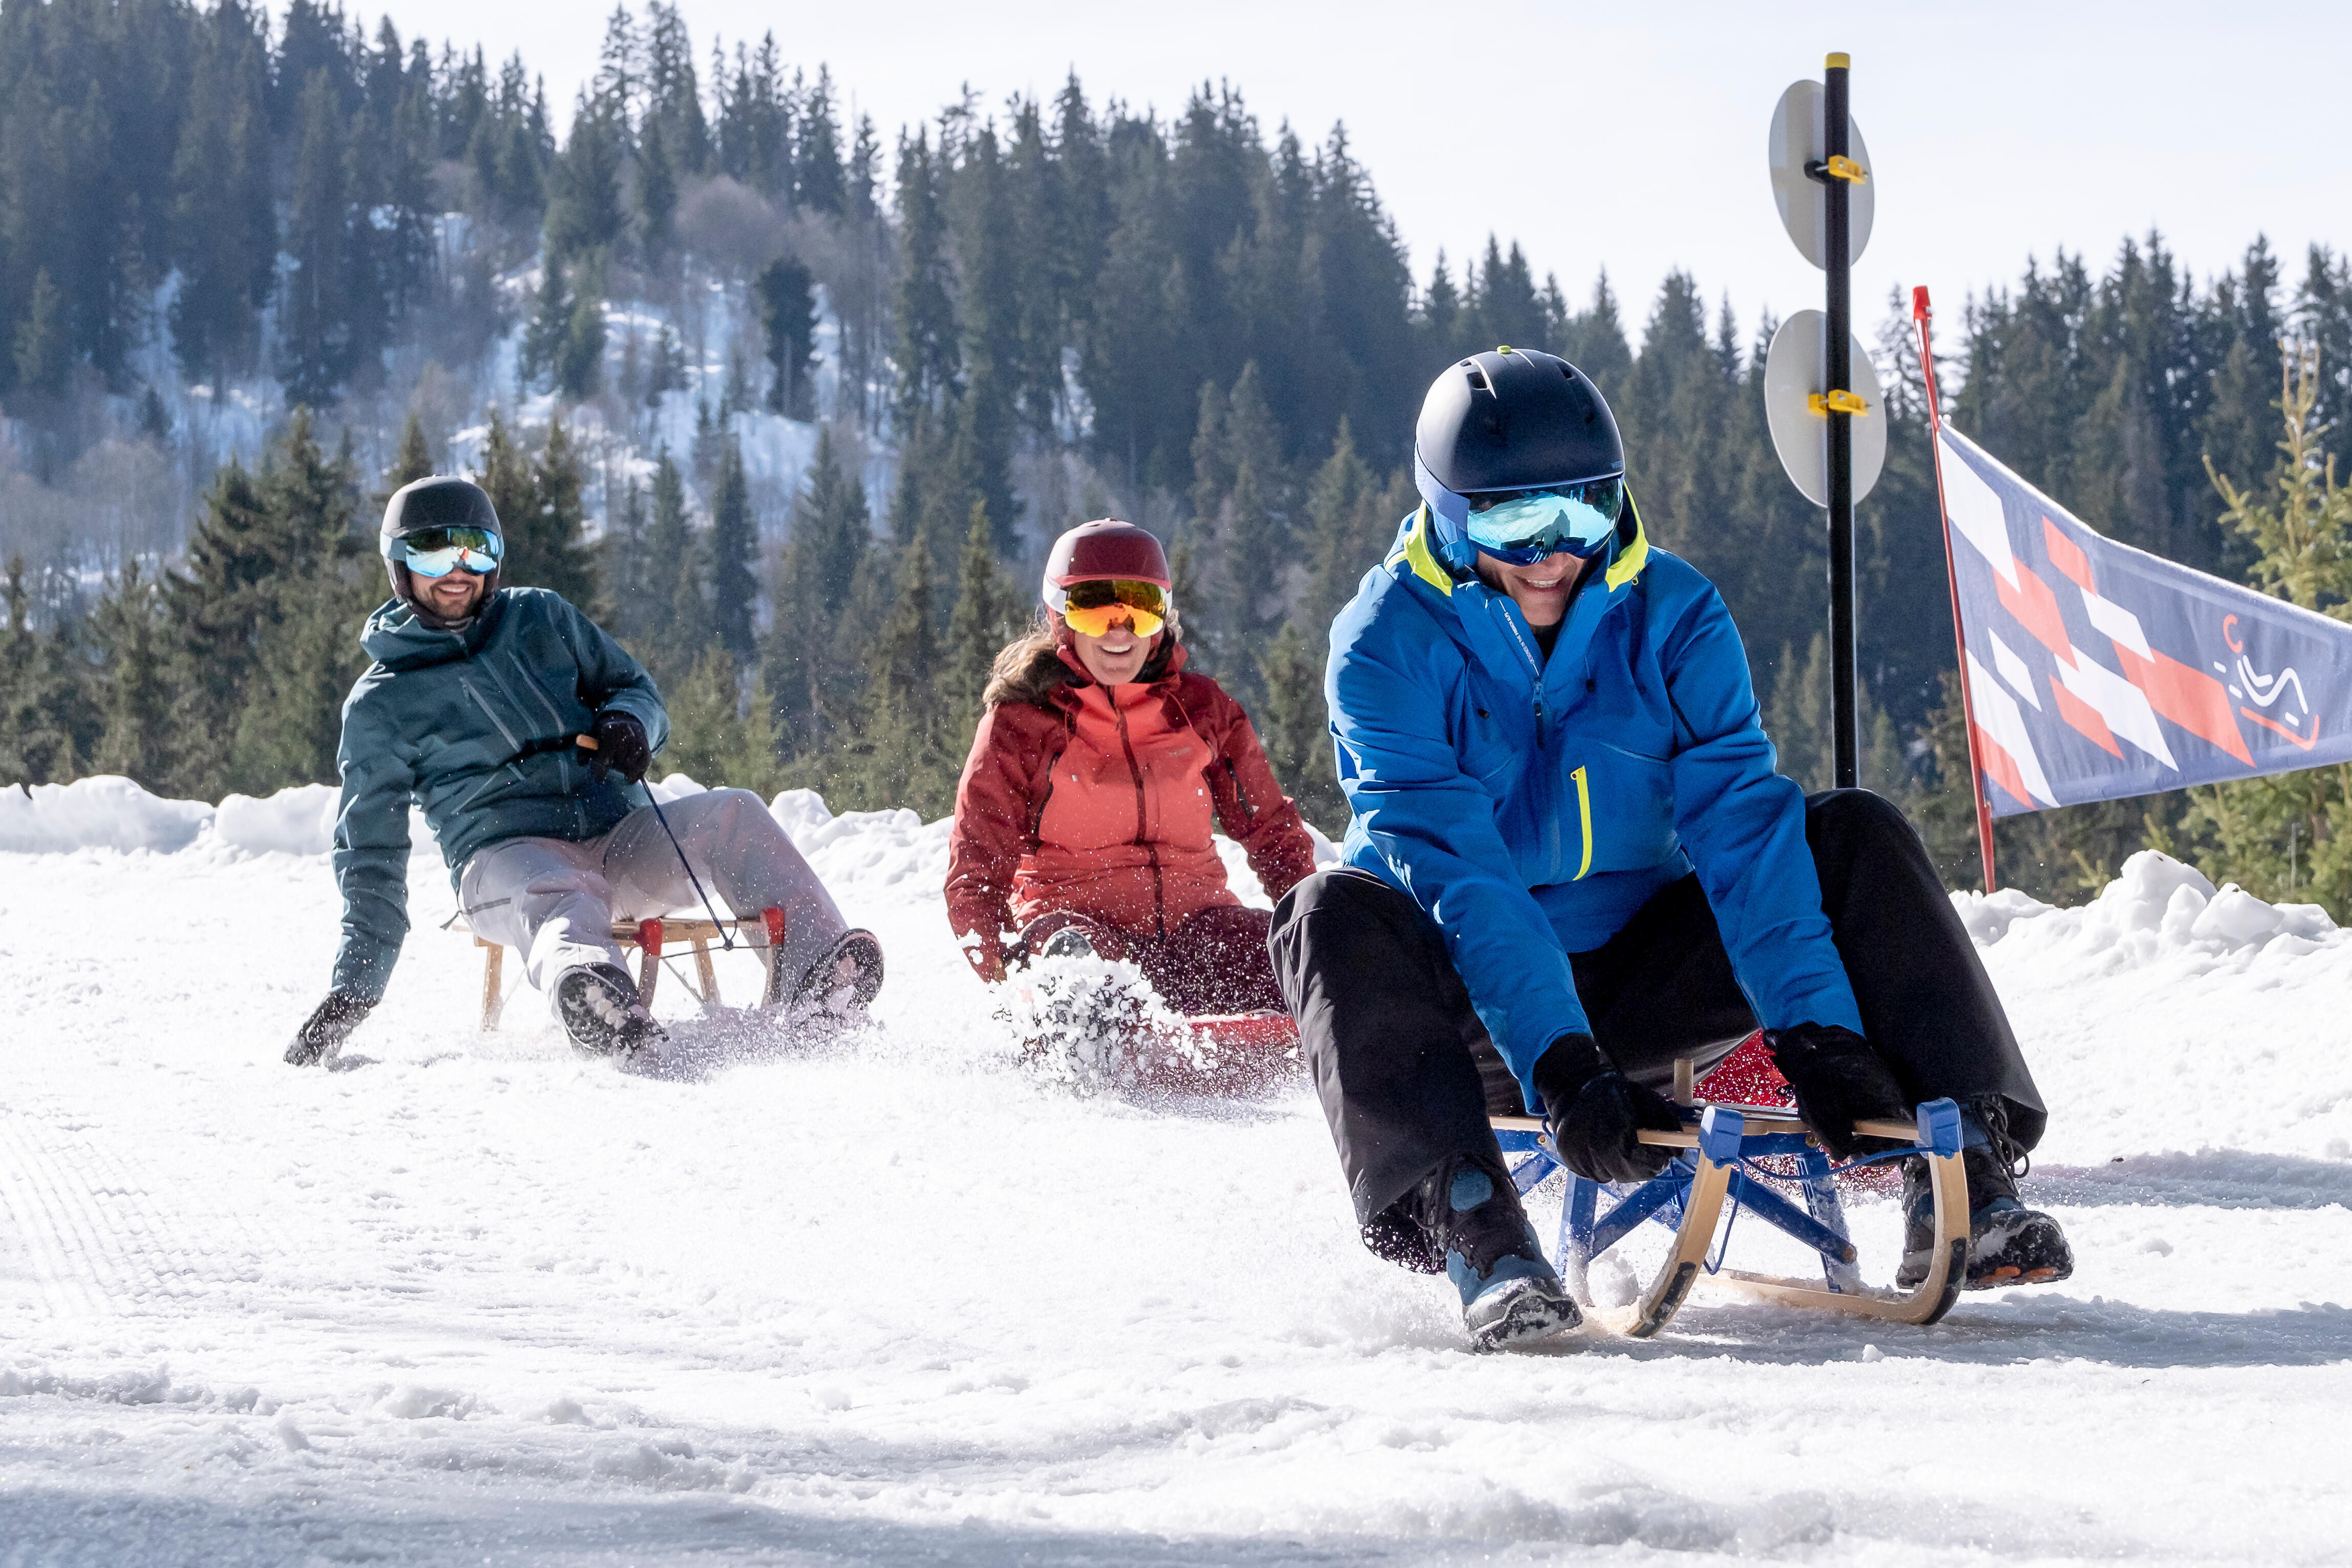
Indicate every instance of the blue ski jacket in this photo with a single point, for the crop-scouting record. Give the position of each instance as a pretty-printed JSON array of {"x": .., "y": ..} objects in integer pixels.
[
  {"x": 475, "y": 726},
  {"x": 1531, "y": 806}
]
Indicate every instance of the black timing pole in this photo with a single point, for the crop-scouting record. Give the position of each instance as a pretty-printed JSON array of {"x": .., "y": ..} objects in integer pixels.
[{"x": 1845, "y": 724}]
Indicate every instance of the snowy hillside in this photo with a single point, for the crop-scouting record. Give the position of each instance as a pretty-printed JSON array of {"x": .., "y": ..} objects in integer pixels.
[{"x": 473, "y": 1300}]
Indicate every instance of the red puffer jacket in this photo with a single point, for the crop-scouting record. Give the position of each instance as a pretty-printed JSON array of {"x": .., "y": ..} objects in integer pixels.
[{"x": 1099, "y": 800}]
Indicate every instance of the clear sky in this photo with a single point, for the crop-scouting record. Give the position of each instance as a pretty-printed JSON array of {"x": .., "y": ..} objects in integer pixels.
[{"x": 1633, "y": 136}]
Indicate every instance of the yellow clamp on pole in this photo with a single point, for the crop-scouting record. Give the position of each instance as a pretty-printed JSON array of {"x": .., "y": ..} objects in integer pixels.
[
  {"x": 1821, "y": 405},
  {"x": 1844, "y": 168}
]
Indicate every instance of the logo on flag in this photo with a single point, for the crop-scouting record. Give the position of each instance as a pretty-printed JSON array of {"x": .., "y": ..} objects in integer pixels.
[{"x": 2096, "y": 670}]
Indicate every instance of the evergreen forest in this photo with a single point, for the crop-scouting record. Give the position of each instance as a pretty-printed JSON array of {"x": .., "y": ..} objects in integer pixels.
[{"x": 794, "y": 404}]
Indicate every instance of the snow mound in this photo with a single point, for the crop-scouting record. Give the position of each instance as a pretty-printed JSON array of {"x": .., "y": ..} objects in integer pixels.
[
  {"x": 2157, "y": 911},
  {"x": 299, "y": 820},
  {"x": 104, "y": 811},
  {"x": 876, "y": 849}
]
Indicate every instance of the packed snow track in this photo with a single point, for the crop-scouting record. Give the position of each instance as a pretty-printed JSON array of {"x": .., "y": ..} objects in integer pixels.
[{"x": 903, "y": 1300}]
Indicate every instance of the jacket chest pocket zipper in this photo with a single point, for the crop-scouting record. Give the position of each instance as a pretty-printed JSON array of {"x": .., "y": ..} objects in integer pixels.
[
  {"x": 492, "y": 715},
  {"x": 1583, "y": 821}
]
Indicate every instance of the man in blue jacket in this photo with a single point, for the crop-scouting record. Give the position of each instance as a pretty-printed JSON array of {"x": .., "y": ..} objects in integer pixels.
[
  {"x": 1572, "y": 861},
  {"x": 524, "y": 732}
]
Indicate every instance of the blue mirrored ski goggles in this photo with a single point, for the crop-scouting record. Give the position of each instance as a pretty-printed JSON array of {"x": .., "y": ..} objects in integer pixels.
[
  {"x": 1523, "y": 527},
  {"x": 437, "y": 552}
]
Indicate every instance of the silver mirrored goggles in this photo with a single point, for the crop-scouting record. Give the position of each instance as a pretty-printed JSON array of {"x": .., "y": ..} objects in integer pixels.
[
  {"x": 1524, "y": 527},
  {"x": 437, "y": 552}
]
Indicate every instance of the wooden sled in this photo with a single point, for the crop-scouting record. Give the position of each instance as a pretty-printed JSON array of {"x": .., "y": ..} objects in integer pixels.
[
  {"x": 1716, "y": 1145},
  {"x": 764, "y": 936}
]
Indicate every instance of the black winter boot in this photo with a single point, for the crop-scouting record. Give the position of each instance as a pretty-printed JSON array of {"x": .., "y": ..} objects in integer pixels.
[
  {"x": 1511, "y": 1299},
  {"x": 598, "y": 1006},
  {"x": 835, "y": 987},
  {"x": 2009, "y": 1244}
]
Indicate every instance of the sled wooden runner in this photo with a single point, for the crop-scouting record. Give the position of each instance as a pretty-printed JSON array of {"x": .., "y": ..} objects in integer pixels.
[{"x": 1713, "y": 1171}]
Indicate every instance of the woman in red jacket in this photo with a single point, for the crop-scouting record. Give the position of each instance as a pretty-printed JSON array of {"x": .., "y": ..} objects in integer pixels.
[{"x": 1084, "y": 814}]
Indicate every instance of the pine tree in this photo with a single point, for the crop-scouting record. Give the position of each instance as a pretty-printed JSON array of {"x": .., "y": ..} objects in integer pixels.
[
  {"x": 670, "y": 619},
  {"x": 316, "y": 355},
  {"x": 547, "y": 534},
  {"x": 657, "y": 192},
  {"x": 132, "y": 637},
  {"x": 580, "y": 361},
  {"x": 225, "y": 233},
  {"x": 416, "y": 459},
  {"x": 715, "y": 738},
  {"x": 504, "y": 476},
  {"x": 1294, "y": 724},
  {"x": 622, "y": 563},
  {"x": 551, "y": 324},
  {"x": 734, "y": 553},
  {"x": 307, "y": 609},
  {"x": 583, "y": 199},
  {"x": 44, "y": 352},
  {"x": 989, "y": 613},
  {"x": 897, "y": 755},
  {"x": 810, "y": 660},
  {"x": 2287, "y": 836},
  {"x": 929, "y": 358},
  {"x": 36, "y": 740},
  {"x": 787, "y": 295}
]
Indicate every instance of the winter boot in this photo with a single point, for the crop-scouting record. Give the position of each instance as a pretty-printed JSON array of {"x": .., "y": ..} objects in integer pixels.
[
  {"x": 841, "y": 982},
  {"x": 2009, "y": 1244},
  {"x": 1510, "y": 1298},
  {"x": 597, "y": 1004}
]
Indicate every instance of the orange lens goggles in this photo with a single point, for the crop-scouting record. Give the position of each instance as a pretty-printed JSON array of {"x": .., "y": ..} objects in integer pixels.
[{"x": 1093, "y": 608}]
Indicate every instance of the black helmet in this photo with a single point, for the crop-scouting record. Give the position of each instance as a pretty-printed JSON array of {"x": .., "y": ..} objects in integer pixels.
[
  {"x": 1515, "y": 419},
  {"x": 442, "y": 501}
]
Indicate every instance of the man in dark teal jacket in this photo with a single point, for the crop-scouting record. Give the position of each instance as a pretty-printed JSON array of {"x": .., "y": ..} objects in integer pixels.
[
  {"x": 523, "y": 733},
  {"x": 1571, "y": 861}
]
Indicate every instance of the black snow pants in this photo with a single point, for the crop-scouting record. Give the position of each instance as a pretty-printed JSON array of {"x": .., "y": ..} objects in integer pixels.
[{"x": 1408, "y": 1077}]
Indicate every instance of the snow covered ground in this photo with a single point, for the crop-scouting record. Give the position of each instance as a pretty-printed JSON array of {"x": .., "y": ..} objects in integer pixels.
[{"x": 472, "y": 1299}]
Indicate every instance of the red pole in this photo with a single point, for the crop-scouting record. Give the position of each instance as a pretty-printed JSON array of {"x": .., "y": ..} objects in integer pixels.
[{"x": 1920, "y": 313}]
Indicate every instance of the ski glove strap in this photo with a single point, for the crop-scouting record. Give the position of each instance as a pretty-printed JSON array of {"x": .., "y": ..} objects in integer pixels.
[
  {"x": 1595, "y": 1113},
  {"x": 328, "y": 1027},
  {"x": 620, "y": 747},
  {"x": 1838, "y": 1080}
]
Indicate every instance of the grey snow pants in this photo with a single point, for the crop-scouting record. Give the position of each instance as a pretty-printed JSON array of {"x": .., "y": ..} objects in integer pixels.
[{"x": 554, "y": 900}]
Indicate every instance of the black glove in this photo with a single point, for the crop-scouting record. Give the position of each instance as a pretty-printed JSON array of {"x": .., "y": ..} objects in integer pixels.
[
  {"x": 620, "y": 747},
  {"x": 1595, "y": 1111},
  {"x": 1838, "y": 1080},
  {"x": 329, "y": 1024}
]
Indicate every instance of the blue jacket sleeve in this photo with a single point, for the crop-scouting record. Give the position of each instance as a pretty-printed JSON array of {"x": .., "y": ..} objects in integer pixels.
[
  {"x": 1434, "y": 827},
  {"x": 1744, "y": 827},
  {"x": 370, "y": 855},
  {"x": 610, "y": 678}
]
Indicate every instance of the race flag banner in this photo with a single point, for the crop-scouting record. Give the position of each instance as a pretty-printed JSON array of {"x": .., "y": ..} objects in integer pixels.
[{"x": 2096, "y": 670}]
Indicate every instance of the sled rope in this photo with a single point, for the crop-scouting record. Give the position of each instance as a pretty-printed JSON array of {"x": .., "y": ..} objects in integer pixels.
[{"x": 726, "y": 937}]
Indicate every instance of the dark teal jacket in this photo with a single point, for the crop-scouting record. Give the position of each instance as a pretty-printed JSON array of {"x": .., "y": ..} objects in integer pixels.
[
  {"x": 474, "y": 726},
  {"x": 1531, "y": 806}
]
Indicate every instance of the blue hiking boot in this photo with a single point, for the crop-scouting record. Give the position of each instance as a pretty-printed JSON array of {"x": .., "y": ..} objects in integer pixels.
[{"x": 1511, "y": 1299}]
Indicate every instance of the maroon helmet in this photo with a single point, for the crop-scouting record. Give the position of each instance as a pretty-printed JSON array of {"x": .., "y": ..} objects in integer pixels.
[{"x": 1106, "y": 548}]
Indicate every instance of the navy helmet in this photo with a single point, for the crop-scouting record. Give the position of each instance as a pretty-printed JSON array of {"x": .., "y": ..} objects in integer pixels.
[
  {"x": 1526, "y": 429},
  {"x": 450, "y": 513}
]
